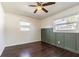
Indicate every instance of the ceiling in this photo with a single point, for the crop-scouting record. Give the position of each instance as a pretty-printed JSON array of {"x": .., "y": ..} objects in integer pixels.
[{"x": 22, "y": 8}]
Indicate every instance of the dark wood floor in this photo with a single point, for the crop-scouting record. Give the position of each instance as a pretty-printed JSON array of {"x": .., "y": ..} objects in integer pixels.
[{"x": 37, "y": 49}]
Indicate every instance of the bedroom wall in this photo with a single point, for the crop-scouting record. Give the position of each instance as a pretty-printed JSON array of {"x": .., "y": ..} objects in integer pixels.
[
  {"x": 13, "y": 34},
  {"x": 2, "y": 17}
]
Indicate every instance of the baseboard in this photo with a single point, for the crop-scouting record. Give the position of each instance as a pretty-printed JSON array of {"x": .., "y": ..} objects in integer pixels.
[
  {"x": 2, "y": 51},
  {"x": 23, "y": 43}
]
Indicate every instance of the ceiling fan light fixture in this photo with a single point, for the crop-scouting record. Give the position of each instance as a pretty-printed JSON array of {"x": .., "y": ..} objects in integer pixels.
[{"x": 39, "y": 8}]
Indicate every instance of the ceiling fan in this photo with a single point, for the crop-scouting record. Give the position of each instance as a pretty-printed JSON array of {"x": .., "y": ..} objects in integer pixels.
[{"x": 41, "y": 5}]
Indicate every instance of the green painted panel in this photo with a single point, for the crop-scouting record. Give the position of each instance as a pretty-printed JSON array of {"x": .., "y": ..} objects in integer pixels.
[
  {"x": 43, "y": 35},
  {"x": 48, "y": 35},
  {"x": 52, "y": 37},
  {"x": 77, "y": 42},
  {"x": 70, "y": 41},
  {"x": 60, "y": 39}
]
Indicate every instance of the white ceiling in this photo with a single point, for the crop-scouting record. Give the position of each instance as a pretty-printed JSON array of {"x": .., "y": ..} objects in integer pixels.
[{"x": 22, "y": 8}]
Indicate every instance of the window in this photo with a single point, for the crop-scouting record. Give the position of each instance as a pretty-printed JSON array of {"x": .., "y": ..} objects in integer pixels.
[
  {"x": 24, "y": 26},
  {"x": 23, "y": 23},
  {"x": 68, "y": 23},
  {"x": 71, "y": 26}
]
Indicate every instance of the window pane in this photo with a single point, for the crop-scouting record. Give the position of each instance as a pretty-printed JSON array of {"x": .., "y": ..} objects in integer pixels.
[
  {"x": 24, "y": 29},
  {"x": 23, "y": 23},
  {"x": 60, "y": 21},
  {"x": 24, "y": 26},
  {"x": 72, "y": 18},
  {"x": 66, "y": 26}
]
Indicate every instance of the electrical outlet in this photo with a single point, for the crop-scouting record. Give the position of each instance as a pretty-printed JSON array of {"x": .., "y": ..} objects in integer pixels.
[{"x": 58, "y": 42}]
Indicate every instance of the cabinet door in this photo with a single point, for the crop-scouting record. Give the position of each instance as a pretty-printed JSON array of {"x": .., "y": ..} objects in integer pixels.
[
  {"x": 60, "y": 39},
  {"x": 70, "y": 41}
]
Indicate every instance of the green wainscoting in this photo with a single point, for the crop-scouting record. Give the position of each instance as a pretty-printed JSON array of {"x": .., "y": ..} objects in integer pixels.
[
  {"x": 52, "y": 37},
  {"x": 43, "y": 35},
  {"x": 60, "y": 39},
  {"x": 48, "y": 36},
  {"x": 77, "y": 42},
  {"x": 69, "y": 41}
]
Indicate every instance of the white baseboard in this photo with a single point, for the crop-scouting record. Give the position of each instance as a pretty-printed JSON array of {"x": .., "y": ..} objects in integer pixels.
[
  {"x": 22, "y": 43},
  {"x": 2, "y": 51}
]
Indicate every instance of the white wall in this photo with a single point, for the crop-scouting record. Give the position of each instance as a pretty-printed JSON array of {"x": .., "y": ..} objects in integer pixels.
[
  {"x": 48, "y": 22},
  {"x": 2, "y": 45},
  {"x": 13, "y": 34}
]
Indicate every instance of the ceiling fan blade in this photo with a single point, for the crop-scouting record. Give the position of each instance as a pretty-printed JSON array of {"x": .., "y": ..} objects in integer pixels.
[
  {"x": 48, "y": 3},
  {"x": 35, "y": 11},
  {"x": 32, "y": 5},
  {"x": 38, "y": 3},
  {"x": 44, "y": 10}
]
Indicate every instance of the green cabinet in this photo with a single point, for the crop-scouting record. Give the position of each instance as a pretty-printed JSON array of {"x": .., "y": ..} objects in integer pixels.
[
  {"x": 60, "y": 39},
  {"x": 70, "y": 41}
]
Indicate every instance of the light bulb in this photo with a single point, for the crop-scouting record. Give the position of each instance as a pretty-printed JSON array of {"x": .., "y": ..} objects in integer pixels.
[{"x": 39, "y": 8}]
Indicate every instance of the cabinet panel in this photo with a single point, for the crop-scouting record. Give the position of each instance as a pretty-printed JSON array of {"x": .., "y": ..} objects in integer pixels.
[
  {"x": 70, "y": 41},
  {"x": 60, "y": 39}
]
